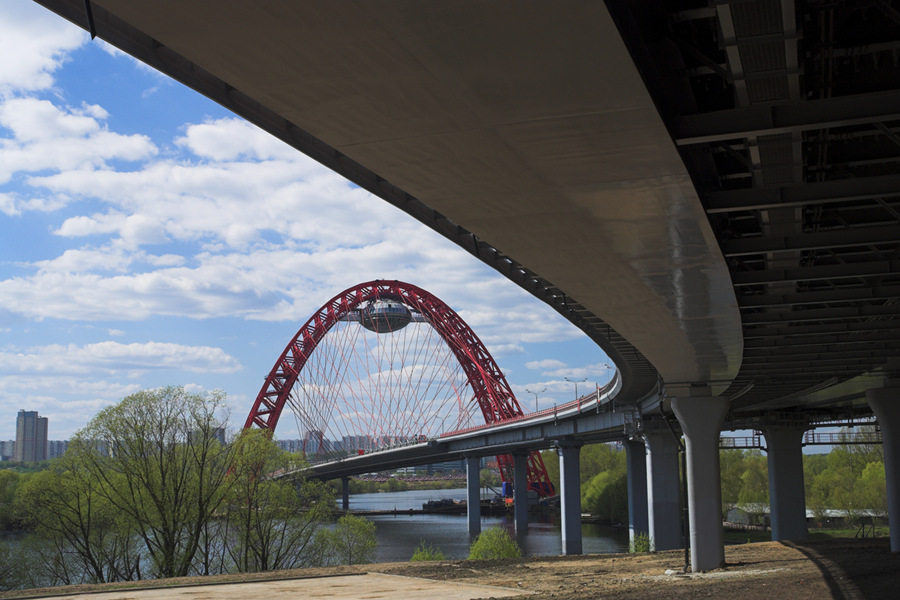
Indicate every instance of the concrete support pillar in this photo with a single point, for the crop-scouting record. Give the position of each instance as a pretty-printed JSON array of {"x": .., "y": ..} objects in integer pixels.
[
  {"x": 520, "y": 491},
  {"x": 701, "y": 420},
  {"x": 787, "y": 496},
  {"x": 345, "y": 493},
  {"x": 473, "y": 494},
  {"x": 663, "y": 490},
  {"x": 885, "y": 404},
  {"x": 636, "y": 462},
  {"x": 570, "y": 496}
]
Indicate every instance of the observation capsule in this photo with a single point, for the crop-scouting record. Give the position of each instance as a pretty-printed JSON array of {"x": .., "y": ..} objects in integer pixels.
[{"x": 385, "y": 316}]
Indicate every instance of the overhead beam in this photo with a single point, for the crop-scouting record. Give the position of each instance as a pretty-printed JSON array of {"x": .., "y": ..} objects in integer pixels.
[
  {"x": 860, "y": 294},
  {"x": 828, "y": 328},
  {"x": 802, "y": 352},
  {"x": 836, "y": 238},
  {"x": 790, "y": 369},
  {"x": 801, "y": 194},
  {"x": 817, "y": 273},
  {"x": 824, "y": 341},
  {"x": 816, "y": 359},
  {"x": 754, "y": 121},
  {"x": 819, "y": 314}
]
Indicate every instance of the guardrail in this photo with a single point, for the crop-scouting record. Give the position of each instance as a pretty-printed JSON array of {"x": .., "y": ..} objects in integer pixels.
[
  {"x": 745, "y": 442},
  {"x": 813, "y": 438},
  {"x": 592, "y": 399},
  {"x": 810, "y": 438}
]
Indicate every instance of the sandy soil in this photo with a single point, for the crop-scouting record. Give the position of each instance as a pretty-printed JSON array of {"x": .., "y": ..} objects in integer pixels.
[{"x": 840, "y": 569}]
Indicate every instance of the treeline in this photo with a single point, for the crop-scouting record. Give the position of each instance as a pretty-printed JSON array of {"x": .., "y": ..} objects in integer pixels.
[
  {"x": 369, "y": 486},
  {"x": 849, "y": 478},
  {"x": 148, "y": 490},
  {"x": 604, "y": 480}
]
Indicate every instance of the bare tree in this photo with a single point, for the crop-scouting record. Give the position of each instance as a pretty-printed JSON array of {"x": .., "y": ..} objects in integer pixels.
[{"x": 159, "y": 460}]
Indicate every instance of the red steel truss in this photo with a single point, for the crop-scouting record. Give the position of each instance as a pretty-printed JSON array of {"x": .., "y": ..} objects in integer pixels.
[{"x": 493, "y": 394}]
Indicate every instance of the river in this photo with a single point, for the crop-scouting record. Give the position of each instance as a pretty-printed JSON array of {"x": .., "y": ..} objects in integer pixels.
[{"x": 398, "y": 535}]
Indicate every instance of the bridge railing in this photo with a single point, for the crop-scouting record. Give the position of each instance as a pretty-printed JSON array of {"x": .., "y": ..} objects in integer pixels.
[
  {"x": 810, "y": 438},
  {"x": 594, "y": 399},
  {"x": 742, "y": 442},
  {"x": 814, "y": 438}
]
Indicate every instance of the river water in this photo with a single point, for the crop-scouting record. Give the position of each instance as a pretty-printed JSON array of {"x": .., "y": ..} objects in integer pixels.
[{"x": 398, "y": 535}]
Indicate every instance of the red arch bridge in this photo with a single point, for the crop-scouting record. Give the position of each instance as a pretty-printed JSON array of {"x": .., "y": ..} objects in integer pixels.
[{"x": 380, "y": 374}]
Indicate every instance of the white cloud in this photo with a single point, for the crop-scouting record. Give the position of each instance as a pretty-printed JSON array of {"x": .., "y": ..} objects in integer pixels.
[
  {"x": 47, "y": 137},
  {"x": 555, "y": 368},
  {"x": 231, "y": 139},
  {"x": 33, "y": 120},
  {"x": 8, "y": 205},
  {"x": 112, "y": 357},
  {"x": 544, "y": 365},
  {"x": 34, "y": 43}
]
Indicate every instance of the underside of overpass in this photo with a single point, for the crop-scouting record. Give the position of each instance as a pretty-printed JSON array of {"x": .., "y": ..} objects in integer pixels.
[
  {"x": 787, "y": 115},
  {"x": 708, "y": 189}
]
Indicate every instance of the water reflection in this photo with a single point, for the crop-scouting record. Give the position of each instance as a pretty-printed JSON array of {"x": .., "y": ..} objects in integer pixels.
[{"x": 398, "y": 535}]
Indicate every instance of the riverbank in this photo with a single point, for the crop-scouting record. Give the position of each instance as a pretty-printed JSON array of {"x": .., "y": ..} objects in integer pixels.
[{"x": 838, "y": 568}]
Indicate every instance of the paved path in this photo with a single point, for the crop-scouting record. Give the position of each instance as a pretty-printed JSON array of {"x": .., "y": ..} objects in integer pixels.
[{"x": 344, "y": 587}]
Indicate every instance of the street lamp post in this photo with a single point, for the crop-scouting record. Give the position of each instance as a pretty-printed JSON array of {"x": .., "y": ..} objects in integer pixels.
[
  {"x": 527, "y": 391},
  {"x": 576, "y": 382}
]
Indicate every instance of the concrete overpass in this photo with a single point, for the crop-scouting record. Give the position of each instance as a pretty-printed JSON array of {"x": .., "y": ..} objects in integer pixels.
[{"x": 709, "y": 191}]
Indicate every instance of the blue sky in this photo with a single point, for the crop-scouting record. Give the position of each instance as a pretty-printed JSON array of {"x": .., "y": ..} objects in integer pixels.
[{"x": 149, "y": 237}]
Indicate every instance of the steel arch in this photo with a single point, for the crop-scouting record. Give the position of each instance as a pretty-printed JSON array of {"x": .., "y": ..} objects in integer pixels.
[{"x": 495, "y": 398}]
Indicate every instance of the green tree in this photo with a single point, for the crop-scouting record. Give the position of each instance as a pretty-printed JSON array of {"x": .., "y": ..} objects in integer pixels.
[
  {"x": 754, "y": 479},
  {"x": 731, "y": 467},
  {"x": 491, "y": 478},
  {"x": 272, "y": 523},
  {"x": 606, "y": 495},
  {"x": 352, "y": 541},
  {"x": 551, "y": 463},
  {"x": 158, "y": 461},
  {"x": 494, "y": 543},
  {"x": 67, "y": 509},
  {"x": 816, "y": 494},
  {"x": 10, "y": 569},
  {"x": 593, "y": 459},
  {"x": 597, "y": 458},
  {"x": 871, "y": 488},
  {"x": 9, "y": 483}
]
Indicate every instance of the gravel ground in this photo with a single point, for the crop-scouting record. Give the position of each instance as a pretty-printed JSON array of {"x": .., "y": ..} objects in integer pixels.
[{"x": 840, "y": 569}]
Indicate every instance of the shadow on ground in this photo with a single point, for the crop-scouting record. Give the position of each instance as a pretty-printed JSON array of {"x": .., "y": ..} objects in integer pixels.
[{"x": 853, "y": 569}]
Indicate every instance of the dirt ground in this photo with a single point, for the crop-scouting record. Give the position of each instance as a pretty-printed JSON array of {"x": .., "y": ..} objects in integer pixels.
[{"x": 839, "y": 569}]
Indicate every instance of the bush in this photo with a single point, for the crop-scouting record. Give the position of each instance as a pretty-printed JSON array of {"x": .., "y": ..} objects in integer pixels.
[
  {"x": 428, "y": 552},
  {"x": 494, "y": 543},
  {"x": 642, "y": 542},
  {"x": 351, "y": 542}
]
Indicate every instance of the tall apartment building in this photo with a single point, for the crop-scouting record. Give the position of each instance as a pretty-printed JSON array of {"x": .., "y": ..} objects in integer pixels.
[
  {"x": 8, "y": 450},
  {"x": 31, "y": 437}
]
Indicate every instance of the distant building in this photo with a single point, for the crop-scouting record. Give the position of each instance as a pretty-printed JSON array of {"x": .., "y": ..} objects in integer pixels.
[
  {"x": 31, "y": 437},
  {"x": 314, "y": 442},
  {"x": 56, "y": 448},
  {"x": 216, "y": 433},
  {"x": 219, "y": 434},
  {"x": 8, "y": 450}
]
